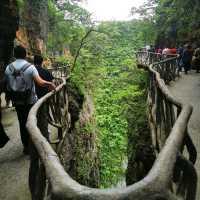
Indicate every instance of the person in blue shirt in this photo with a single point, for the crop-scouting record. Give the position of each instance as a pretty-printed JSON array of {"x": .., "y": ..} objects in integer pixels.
[{"x": 32, "y": 78}]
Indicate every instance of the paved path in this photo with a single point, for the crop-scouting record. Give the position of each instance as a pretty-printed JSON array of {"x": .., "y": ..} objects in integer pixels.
[
  {"x": 187, "y": 89},
  {"x": 14, "y": 166}
]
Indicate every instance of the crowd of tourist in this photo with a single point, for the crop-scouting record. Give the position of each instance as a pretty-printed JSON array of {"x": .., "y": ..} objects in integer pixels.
[{"x": 188, "y": 57}]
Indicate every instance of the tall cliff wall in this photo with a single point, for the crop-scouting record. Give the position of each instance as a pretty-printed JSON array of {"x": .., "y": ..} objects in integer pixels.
[
  {"x": 36, "y": 24},
  {"x": 9, "y": 20},
  {"x": 79, "y": 154},
  {"x": 33, "y": 28},
  {"x": 28, "y": 26}
]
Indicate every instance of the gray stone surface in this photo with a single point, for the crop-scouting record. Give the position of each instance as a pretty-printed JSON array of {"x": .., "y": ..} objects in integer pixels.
[
  {"x": 187, "y": 89},
  {"x": 14, "y": 166}
]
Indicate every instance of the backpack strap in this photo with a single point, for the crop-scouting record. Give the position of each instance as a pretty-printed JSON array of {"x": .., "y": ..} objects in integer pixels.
[
  {"x": 12, "y": 68},
  {"x": 23, "y": 69}
]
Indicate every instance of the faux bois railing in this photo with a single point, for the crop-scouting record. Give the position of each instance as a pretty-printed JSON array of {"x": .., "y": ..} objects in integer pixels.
[{"x": 172, "y": 176}]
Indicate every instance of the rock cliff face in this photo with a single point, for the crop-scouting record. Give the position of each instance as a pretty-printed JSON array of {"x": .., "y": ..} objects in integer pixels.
[
  {"x": 29, "y": 28},
  {"x": 87, "y": 159},
  {"x": 35, "y": 21},
  {"x": 8, "y": 26},
  {"x": 33, "y": 30},
  {"x": 79, "y": 154}
]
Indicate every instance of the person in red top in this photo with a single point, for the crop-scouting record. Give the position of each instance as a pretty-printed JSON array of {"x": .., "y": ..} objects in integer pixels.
[{"x": 172, "y": 50}]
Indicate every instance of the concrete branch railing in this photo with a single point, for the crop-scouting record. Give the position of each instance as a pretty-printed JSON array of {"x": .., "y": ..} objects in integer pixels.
[
  {"x": 172, "y": 176},
  {"x": 59, "y": 71}
]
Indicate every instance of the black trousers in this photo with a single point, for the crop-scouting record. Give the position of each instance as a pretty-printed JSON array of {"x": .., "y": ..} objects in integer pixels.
[
  {"x": 187, "y": 66},
  {"x": 22, "y": 114}
]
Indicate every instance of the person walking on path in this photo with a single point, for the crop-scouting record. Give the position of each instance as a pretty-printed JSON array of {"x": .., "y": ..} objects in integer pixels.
[
  {"x": 41, "y": 91},
  {"x": 21, "y": 77},
  {"x": 179, "y": 58},
  {"x": 44, "y": 74},
  {"x": 187, "y": 58},
  {"x": 196, "y": 60}
]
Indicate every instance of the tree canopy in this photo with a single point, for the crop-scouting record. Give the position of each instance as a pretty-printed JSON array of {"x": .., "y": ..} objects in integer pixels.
[{"x": 176, "y": 21}]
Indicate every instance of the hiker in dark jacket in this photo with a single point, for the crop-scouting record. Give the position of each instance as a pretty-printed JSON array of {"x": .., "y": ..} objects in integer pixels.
[
  {"x": 44, "y": 74},
  {"x": 187, "y": 58},
  {"x": 41, "y": 91}
]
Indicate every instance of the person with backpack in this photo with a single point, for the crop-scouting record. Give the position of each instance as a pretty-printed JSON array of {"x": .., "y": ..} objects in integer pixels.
[{"x": 21, "y": 77}]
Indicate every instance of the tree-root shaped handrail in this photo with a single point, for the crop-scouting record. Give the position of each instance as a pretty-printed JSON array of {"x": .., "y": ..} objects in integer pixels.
[
  {"x": 156, "y": 185},
  {"x": 162, "y": 86},
  {"x": 189, "y": 177}
]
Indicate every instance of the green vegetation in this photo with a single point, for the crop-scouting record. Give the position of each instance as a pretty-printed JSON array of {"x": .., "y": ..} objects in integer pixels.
[
  {"x": 175, "y": 21},
  {"x": 113, "y": 98},
  {"x": 179, "y": 20},
  {"x": 21, "y": 5},
  {"x": 108, "y": 70},
  {"x": 118, "y": 82},
  {"x": 105, "y": 69}
]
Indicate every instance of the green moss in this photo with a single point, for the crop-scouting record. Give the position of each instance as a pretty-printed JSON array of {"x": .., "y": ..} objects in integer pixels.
[
  {"x": 20, "y": 3},
  {"x": 64, "y": 60},
  {"x": 86, "y": 154},
  {"x": 21, "y": 6},
  {"x": 106, "y": 70}
]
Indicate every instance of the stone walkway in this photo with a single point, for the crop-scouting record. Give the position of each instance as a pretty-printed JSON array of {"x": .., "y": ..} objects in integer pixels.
[
  {"x": 187, "y": 90},
  {"x": 14, "y": 166}
]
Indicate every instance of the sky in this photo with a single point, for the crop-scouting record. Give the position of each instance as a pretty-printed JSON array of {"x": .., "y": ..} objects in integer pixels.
[{"x": 103, "y": 10}]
